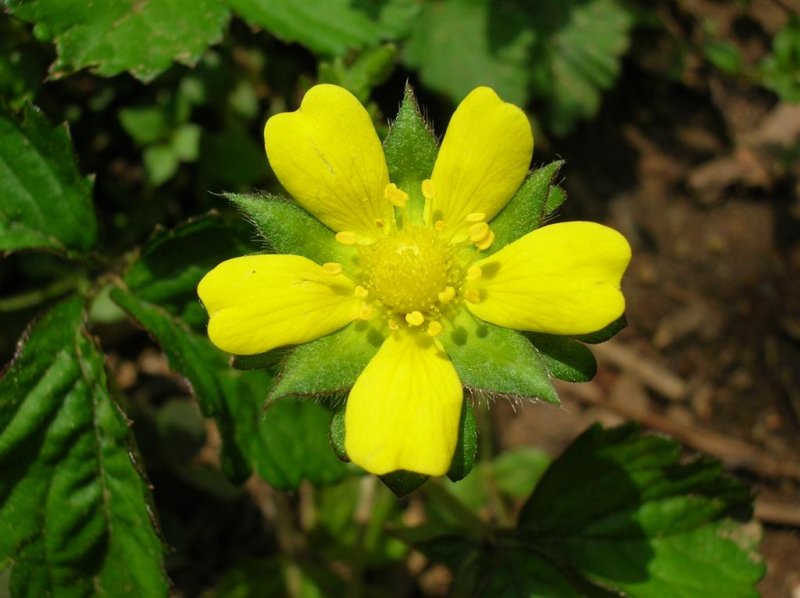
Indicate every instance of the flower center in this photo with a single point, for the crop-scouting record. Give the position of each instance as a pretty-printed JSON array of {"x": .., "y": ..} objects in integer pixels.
[{"x": 408, "y": 271}]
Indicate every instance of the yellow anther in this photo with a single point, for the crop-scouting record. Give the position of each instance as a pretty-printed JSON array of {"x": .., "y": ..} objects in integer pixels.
[
  {"x": 332, "y": 268},
  {"x": 472, "y": 295},
  {"x": 365, "y": 311},
  {"x": 397, "y": 196},
  {"x": 447, "y": 295},
  {"x": 361, "y": 292},
  {"x": 415, "y": 318},
  {"x": 440, "y": 225},
  {"x": 346, "y": 237},
  {"x": 475, "y": 217},
  {"x": 393, "y": 325},
  {"x": 474, "y": 273},
  {"x": 428, "y": 191},
  {"x": 486, "y": 242},
  {"x": 478, "y": 232},
  {"x": 435, "y": 328}
]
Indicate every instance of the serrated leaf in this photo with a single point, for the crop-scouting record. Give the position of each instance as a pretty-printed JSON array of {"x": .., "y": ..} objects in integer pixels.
[
  {"x": 332, "y": 27},
  {"x": 527, "y": 209},
  {"x": 172, "y": 263},
  {"x": 126, "y": 35},
  {"x": 565, "y": 358},
  {"x": 329, "y": 365},
  {"x": 496, "y": 361},
  {"x": 655, "y": 526},
  {"x": 283, "y": 447},
  {"x": 289, "y": 229},
  {"x": 582, "y": 42},
  {"x": 458, "y": 45},
  {"x": 75, "y": 517},
  {"x": 45, "y": 203}
]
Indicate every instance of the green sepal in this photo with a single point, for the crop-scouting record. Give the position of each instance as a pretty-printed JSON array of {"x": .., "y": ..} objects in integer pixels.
[
  {"x": 329, "y": 365},
  {"x": 604, "y": 334},
  {"x": 289, "y": 229},
  {"x": 527, "y": 209},
  {"x": 260, "y": 361},
  {"x": 467, "y": 445},
  {"x": 411, "y": 151},
  {"x": 566, "y": 358},
  {"x": 555, "y": 198},
  {"x": 336, "y": 433},
  {"x": 496, "y": 361},
  {"x": 402, "y": 482}
]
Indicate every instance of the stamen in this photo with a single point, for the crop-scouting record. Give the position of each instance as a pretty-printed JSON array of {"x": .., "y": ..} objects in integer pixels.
[
  {"x": 361, "y": 292},
  {"x": 472, "y": 295},
  {"x": 475, "y": 217},
  {"x": 415, "y": 318},
  {"x": 428, "y": 190},
  {"x": 447, "y": 295},
  {"x": 365, "y": 311},
  {"x": 474, "y": 273},
  {"x": 346, "y": 237},
  {"x": 332, "y": 268},
  {"x": 478, "y": 231},
  {"x": 393, "y": 325},
  {"x": 440, "y": 225},
  {"x": 435, "y": 328},
  {"x": 486, "y": 242},
  {"x": 395, "y": 195}
]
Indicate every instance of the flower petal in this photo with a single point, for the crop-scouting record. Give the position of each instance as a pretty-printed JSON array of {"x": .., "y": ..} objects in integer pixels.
[
  {"x": 560, "y": 279},
  {"x": 328, "y": 156},
  {"x": 404, "y": 410},
  {"x": 260, "y": 302},
  {"x": 483, "y": 160}
]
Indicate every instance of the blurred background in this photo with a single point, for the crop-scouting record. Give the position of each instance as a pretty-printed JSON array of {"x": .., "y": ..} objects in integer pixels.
[{"x": 680, "y": 125}]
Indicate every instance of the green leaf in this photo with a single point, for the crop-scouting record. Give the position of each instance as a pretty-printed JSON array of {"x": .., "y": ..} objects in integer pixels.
[
  {"x": 565, "y": 358},
  {"x": 46, "y": 203},
  {"x": 724, "y": 55},
  {"x": 285, "y": 446},
  {"x": 458, "y": 45},
  {"x": 126, "y": 35},
  {"x": 655, "y": 526},
  {"x": 329, "y": 365},
  {"x": 160, "y": 163},
  {"x": 496, "y": 361},
  {"x": 332, "y": 27},
  {"x": 527, "y": 209},
  {"x": 172, "y": 263},
  {"x": 369, "y": 69},
  {"x": 288, "y": 228},
  {"x": 579, "y": 44},
  {"x": 146, "y": 125},
  {"x": 75, "y": 518},
  {"x": 780, "y": 70},
  {"x": 411, "y": 150}
]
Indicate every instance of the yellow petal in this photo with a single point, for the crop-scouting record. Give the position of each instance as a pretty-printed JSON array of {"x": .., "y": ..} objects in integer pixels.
[
  {"x": 559, "y": 279},
  {"x": 260, "y": 302},
  {"x": 404, "y": 410},
  {"x": 328, "y": 156},
  {"x": 483, "y": 160}
]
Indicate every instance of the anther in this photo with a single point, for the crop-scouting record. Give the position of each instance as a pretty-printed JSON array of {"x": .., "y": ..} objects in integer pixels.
[
  {"x": 395, "y": 195},
  {"x": 435, "y": 328},
  {"x": 365, "y": 311},
  {"x": 474, "y": 273},
  {"x": 332, "y": 268},
  {"x": 346, "y": 237},
  {"x": 478, "y": 232},
  {"x": 440, "y": 225},
  {"x": 472, "y": 295},
  {"x": 475, "y": 217},
  {"x": 428, "y": 190},
  {"x": 447, "y": 295},
  {"x": 393, "y": 325},
  {"x": 486, "y": 242},
  {"x": 415, "y": 318},
  {"x": 361, "y": 292}
]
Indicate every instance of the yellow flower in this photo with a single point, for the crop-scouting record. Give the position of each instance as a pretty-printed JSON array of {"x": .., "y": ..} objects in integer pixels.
[{"x": 412, "y": 272}]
